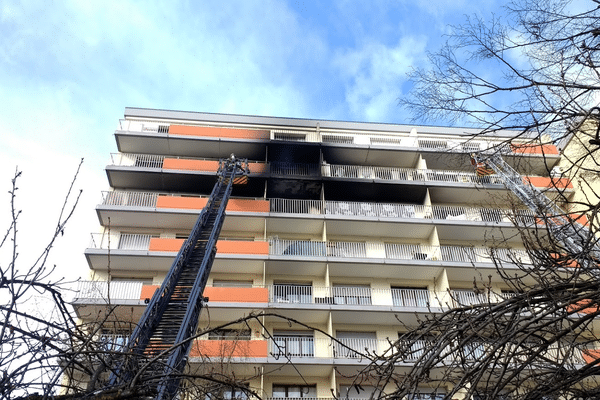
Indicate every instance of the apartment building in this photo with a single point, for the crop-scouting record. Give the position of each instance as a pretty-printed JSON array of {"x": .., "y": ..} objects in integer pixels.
[{"x": 353, "y": 229}]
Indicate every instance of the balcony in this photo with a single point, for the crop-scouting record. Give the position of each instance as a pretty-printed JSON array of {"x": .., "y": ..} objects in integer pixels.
[
  {"x": 158, "y": 210},
  {"x": 340, "y": 141},
  {"x": 146, "y": 251},
  {"x": 298, "y": 347},
  {"x": 435, "y": 177},
  {"x": 170, "y": 173},
  {"x": 288, "y": 296},
  {"x": 393, "y": 251}
]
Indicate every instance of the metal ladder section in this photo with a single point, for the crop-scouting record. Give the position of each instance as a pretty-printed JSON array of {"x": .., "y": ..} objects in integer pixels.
[
  {"x": 576, "y": 238},
  {"x": 171, "y": 317}
]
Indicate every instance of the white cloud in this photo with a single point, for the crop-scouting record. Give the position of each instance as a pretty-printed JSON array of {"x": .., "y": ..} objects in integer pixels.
[{"x": 374, "y": 74}]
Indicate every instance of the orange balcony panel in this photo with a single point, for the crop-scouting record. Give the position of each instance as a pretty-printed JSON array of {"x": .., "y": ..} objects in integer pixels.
[
  {"x": 188, "y": 203},
  {"x": 221, "y": 294},
  {"x": 242, "y": 247},
  {"x": 591, "y": 356},
  {"x": 549, "y": 183},
  {"x": 162, "y": 244},
  {"x": 584, "y": 307},
  {"x": 219, "y": 132},
  {"x": 534, "y": 149},
  {"x": 237, "y": 295},
  {"x": 229, "y": 348},
  {"x": 257, "y": 168},
  {"x": 580, "y": 218},
  {"x": 148, "y": 291},
  {"x": 198, "y": 203},
  {"x": 248, "y": 205},
  {"x": 223, "y": 246},
  {"x": 190, "y": 165},
  {"x": 561, "y": 259}
]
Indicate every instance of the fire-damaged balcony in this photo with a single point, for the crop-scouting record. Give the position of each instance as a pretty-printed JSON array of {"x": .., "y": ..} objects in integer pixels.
[{"x": 298, "y": 179}]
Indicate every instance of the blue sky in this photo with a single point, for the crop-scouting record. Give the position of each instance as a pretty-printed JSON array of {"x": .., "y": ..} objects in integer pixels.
[{"x": 69, "y": 68}]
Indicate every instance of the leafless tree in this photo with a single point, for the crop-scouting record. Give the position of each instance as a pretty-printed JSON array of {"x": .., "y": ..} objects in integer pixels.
[
  {"x": 540, "y": 339},
  {"x": 533, "y": 69}
]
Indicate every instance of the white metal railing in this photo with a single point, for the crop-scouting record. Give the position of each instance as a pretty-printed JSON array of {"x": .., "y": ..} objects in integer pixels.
[
  {"x": 405, "y": 174},
  {"x": 282, "y": 293},
  {"x": 368, "y": 209},
  {"x": 420, "y": 141},
  {"x": 123, "y": 241},
  {"x": 406, "y": 297},
  {"x": 389, "y": 141},
  {"x": 137, "y": 160},
  {"x": 295, "y": 206},
  {"x": 351, "y": 295},
  {"x": 339, "y": 139},
  {"x": 345, "y": 347},
  {"x": 396, "y": 251},
  {"x": 413, "y": 350},
  {"x": 116, "y": 290},
  {"x": 292, "y": 346},
  {"x": 395, "y": 210},
  {"x": 286, "y": 247},
  {"x": 347, "y": 249},
  {"x": 131, "y": 199},
  {"x": 134, "y": 241},
  {"x": 306, "y": 248},
  {"x": 468, "y": 297}
]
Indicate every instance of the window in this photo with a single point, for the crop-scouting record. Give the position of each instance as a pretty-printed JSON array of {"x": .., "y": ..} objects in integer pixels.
[
  {"x": 351, "y": 294},
  {"x": 293, "y": 391},
  {"x": 293, "y": 344}
]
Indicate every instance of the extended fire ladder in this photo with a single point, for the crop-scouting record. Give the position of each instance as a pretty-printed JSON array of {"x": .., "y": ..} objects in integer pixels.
[
  {"x": 161, "y": 341},
  {"x": 576, "y": 238}
]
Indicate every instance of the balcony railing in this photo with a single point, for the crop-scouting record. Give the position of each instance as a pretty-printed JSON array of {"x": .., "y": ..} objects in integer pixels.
[
  {"x": 352, "y": 347},
  {"x": 468, "y": 297},
  {"x": 421, "y": 141},
  {"x": 411, "y": 297},
  {"x": 131, "y": 199},
  {"x": 305, "y": 294},
  {"x": 137, "y": 160},
  {"x": 406, "y": 174},
  {"x": 305, "y": 248},
  {"x": 345, "y": 208},
  {"x": 292, "y": 346},
  {"x": 116, "y": 290},
  {"x": 328, "y": 170}
]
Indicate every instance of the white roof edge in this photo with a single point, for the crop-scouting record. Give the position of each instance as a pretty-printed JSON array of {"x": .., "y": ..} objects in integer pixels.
[{"x": 305, "y": 123}]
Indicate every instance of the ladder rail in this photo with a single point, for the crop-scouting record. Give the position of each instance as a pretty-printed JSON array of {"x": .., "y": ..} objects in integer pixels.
[
  {"x": 577, "y": 240},
  {"x": 154, "y": 312},
  {"x": 169, "y": 384}
]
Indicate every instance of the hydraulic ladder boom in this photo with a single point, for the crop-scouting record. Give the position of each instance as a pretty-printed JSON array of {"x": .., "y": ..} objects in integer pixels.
[
  {"x": 161, "y": 341},
  {"x": 574, "y": 237}
]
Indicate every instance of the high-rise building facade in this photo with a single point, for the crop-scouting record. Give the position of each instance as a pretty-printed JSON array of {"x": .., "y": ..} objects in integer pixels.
[{"x": 354, "y": 230}]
